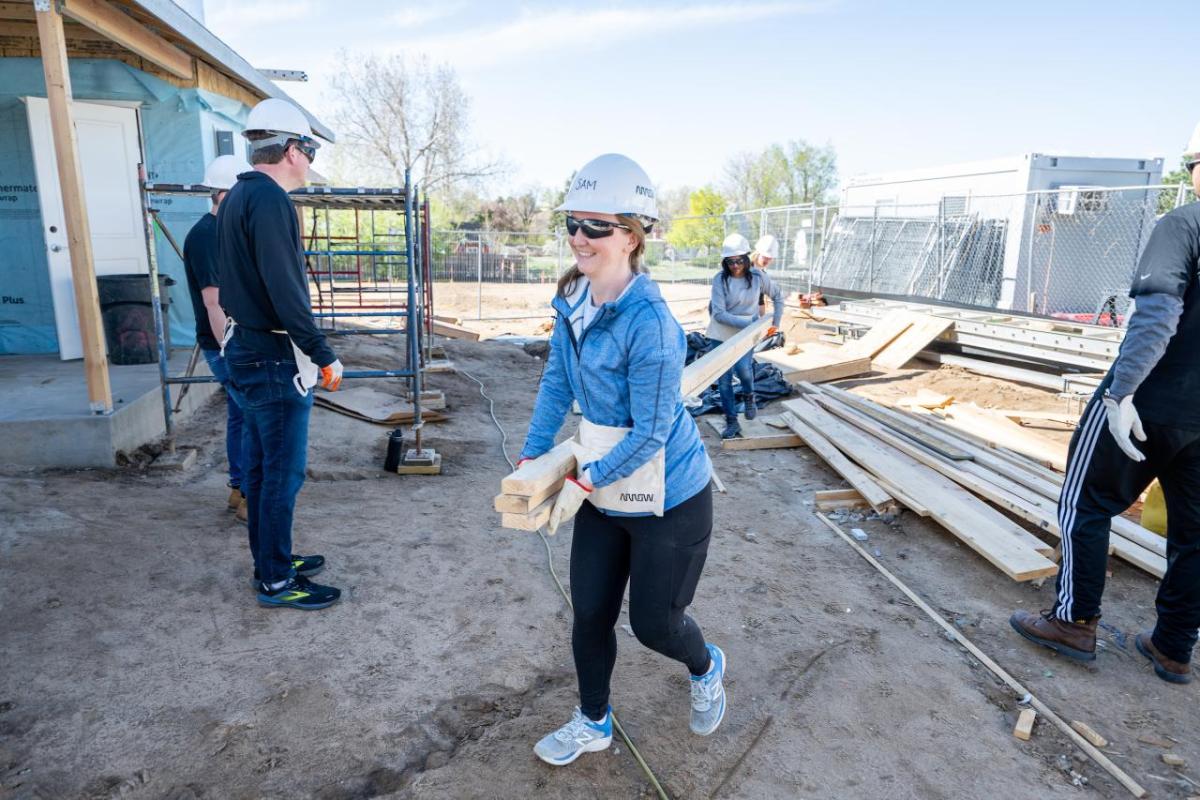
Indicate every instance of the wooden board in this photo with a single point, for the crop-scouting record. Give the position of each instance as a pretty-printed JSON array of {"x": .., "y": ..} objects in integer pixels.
[
  {"x": 372, "y": 405},
  {"x": 756, "y": 434},
  {"x": 1024, "y": 726},
  {"x": 452, "y": 331},
  {"x": 548, "y": 470},
  {"x": 980, "y": 527},
  {"x": 950, "y": 470},
  {"x": 904, "y": 348},
  {"x": 901, "y": 425},
  {"x": 881, "y": 334},
  {"x": 835, "y": 499},
  {"x": 531, "y": 521},
  {"x": 1000, "y": 431},
  {"x": 863, "y": 483},
  {"x": 815, "y": 367},
  {"x": 698, "y": 375}
]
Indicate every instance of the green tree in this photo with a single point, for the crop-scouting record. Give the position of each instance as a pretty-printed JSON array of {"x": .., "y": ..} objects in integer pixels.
[
  {"x": 797, "y": 172},
  {"x": 703, "y": 227},
  {"x": 811, "y": 172},
  {"x": 1166, "y": 200}
]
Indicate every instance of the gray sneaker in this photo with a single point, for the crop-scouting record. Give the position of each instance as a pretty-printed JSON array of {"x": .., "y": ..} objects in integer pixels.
[
  {"x": 708, "y": 694},
  {"x": 580, "y": 735}
]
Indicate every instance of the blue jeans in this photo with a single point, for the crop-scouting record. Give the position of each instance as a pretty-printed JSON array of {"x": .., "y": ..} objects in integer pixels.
[
  {"x": 275, "y": 449},
  {"x": 233, "y": 416},
  {"x": 744, "y": 367}
]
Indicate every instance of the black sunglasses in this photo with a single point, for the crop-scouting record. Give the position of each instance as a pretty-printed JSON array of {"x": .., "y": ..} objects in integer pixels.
[
  {"x": 1191, "y": 165},
  {"x": 593, "y": 228},
  {"x": 308, "y": 150},
  {"x": 736, "y": 261}
]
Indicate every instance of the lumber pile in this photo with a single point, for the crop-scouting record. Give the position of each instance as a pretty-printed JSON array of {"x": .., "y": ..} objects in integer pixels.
[
  {"x": 1041, "y": 352},
  {"x": 958, "y": 478},
  {"x": 527, "y": 494}
]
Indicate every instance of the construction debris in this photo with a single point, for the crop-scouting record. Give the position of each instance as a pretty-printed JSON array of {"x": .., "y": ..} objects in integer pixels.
[
  {"x": 1024, "y": 727},
  {"x": 1085, "y": 730}
]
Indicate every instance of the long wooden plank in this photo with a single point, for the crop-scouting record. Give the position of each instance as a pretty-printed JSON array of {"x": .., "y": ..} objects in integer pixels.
[
  {"x": 901, "y": 425},
  {"x": 975, "y": 484},
  {"x": 756, "y": 435},
  {"x": 906, "y": 346},
  {"x": 815, "y": 367},
  {"x": 857, "y": 477},
  {"x": 123, "y": 29},
  {"x": 881, "y": 334},
  {"x": 452, "y": 331},
  {"x": 52, "y": 41},
  {"x": 705, "y": 370},
  {"x": 1000, "y": 431},
  {"x": 980, "y": 527}
]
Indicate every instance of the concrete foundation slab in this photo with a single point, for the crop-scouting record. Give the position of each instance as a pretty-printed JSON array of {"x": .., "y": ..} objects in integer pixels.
[{"x": 44, "y": 416}]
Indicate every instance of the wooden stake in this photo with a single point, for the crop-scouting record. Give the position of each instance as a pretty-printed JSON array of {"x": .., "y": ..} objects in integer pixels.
[
  {"x": 1024, "y": 727},
  {"x": 1112, "y": 769},
  {"x": 52, "y": 41}
]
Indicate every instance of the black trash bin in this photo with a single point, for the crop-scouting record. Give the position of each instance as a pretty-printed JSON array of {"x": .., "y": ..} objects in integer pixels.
[{"x": 128, "y": 313}]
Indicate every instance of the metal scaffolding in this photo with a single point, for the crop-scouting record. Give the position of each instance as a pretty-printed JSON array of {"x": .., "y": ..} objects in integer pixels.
[{"x": 357, "y": 271}]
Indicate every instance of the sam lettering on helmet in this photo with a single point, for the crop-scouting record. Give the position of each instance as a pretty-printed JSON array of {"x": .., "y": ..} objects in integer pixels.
[{"x": 584, "y": 184}]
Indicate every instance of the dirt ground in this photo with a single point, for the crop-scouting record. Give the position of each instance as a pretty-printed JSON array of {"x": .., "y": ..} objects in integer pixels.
[{"x": 136, "y": 664}]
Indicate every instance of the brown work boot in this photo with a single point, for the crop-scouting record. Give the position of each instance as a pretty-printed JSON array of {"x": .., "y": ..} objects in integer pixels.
[
  {"x": 242, "y": 513},
  {"x": 1073, "y": 639},
  {"x": 1165, "y": 668},
  {"x": 236, "y": 498}
]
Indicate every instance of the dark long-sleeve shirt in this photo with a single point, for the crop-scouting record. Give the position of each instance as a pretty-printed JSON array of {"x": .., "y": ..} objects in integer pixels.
[
  {"x": 1160, "y": 356},
  {"x": 200, "y": 266},
  {"x": 262, "y": 276}
]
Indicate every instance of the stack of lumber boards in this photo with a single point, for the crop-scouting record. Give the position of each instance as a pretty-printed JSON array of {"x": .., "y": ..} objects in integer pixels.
[
  {"x": 1034, "y": 350},
  {"x": 527, "y": 495},
  {"x": 952, "y": 476},
  {"x": 815, "y": 363}
]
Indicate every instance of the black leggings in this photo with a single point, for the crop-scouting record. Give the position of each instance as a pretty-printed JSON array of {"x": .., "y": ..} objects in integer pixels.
[{"x": 661, "y": 559}]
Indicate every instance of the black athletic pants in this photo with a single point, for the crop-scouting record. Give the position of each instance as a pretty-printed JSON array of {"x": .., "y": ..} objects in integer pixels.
[
  {"x": 1102, "y": 482},
  {"x": 661, "y": 559}
]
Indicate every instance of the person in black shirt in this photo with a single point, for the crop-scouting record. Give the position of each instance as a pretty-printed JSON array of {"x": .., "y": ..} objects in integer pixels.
[
  {"x": 275, "y": 352},
  {"x": 201, "y": 266},
  {"x": 1150, "y": 394}
]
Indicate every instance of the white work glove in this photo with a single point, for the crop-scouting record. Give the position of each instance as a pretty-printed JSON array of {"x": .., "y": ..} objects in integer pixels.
[
  {"x": 570, "y": 498},
  {"x": 331, "y": 376},
  {"x": 1123, "y": 419}
]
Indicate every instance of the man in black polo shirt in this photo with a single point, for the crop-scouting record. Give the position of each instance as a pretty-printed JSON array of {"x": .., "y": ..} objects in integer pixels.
[
  {"x": 201, "y": 266},
  {"x": 1152, "y": 391},
  {"x": 276, "y": 353}
]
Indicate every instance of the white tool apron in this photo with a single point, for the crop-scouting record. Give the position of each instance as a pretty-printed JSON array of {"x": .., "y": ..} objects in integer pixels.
[
  {"x": 720, "y": 331},
  {"x": 643, "y": 492},
  {"x": 307, "y": 371}
]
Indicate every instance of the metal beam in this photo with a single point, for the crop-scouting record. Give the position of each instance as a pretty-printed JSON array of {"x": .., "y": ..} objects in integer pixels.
[
  {"x": 123, "y": 29},
  {"x": 53, "y": 44}
]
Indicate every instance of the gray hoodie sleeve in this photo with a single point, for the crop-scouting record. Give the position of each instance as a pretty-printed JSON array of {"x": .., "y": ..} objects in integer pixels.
[
  {"x": 1146, "y": 337},
  {"x": 772, "y": 290}
]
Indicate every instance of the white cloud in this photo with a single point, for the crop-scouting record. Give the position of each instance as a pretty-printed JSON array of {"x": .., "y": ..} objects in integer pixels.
[
  {"x": 413, "y": 17},
  {"x": 227, "y": 15},
  {"x": 534, "y": 34}
]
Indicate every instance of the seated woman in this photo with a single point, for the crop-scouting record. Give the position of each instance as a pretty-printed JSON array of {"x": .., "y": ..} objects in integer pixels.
[
  {"x": 736, "y": 290},
  {"x": 641, "y": 466}
]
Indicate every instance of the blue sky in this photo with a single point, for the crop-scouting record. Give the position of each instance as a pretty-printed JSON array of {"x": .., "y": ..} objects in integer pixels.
[{"x": 682, "y": 86}]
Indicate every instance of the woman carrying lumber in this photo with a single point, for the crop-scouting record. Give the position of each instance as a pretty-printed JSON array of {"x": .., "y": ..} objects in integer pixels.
[
  {"x": 736, "y": 291},
  {"x": 640, "y": 463}
]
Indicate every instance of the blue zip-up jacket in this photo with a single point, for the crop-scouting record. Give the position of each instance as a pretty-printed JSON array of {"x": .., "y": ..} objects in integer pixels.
[{"x": 624, "y": 370}]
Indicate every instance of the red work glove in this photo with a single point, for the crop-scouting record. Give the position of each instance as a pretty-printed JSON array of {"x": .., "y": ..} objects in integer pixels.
[{"x": 771, "y": 331}]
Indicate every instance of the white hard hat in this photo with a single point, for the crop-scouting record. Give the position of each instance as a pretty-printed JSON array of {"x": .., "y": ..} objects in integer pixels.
[
  {"x": 612, "y": 184},
  {"x": 767, "y": 246},
  {"x": 222, "y": 172},
  {"x": 1192, "y": 153},
  {"x": 735, "y": 245},
  {"x": 280, "y": 118}
]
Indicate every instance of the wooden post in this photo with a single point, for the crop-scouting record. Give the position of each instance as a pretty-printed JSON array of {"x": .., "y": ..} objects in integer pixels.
[{"x": 70, "y": 178}]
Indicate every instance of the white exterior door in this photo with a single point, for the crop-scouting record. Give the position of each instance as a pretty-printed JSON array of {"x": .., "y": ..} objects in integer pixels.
[{"x": 109, "y": 154}]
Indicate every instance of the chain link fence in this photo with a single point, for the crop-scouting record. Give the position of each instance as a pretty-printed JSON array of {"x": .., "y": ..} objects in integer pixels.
[{"x": 1068, "y": 253}]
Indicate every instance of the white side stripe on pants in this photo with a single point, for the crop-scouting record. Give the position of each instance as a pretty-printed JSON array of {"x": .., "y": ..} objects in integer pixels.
[{"x": 1091, "y": 427}]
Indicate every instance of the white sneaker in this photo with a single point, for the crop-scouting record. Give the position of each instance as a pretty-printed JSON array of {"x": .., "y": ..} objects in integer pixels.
[
  {"x": 580, "y": 735},
  {"x": 708, "y": 694}
]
